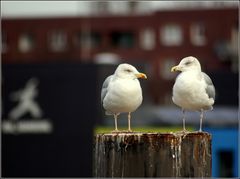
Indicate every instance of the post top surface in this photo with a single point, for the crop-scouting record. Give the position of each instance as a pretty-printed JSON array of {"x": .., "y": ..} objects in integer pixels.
[{"x": 154, "y": 134}]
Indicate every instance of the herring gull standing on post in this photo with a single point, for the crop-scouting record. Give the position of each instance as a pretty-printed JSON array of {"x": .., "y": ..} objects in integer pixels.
[
  {"x": 193, "y": 89},
  {"x": 122, "y": 93}
]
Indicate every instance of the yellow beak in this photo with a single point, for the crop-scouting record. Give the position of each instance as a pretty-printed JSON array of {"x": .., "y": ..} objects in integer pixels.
[
  {"x": 141, "y": 75},
  {"x": 175, "y": 68}
]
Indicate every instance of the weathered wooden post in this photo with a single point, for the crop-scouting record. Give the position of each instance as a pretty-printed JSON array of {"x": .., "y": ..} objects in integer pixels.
[{"x": 152, "y": 155}]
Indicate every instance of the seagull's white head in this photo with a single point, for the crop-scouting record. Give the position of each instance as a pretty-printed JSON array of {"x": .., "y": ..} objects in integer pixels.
[
  {"x": 187, "y": 64},
  {"x": 128, "y": 72}
]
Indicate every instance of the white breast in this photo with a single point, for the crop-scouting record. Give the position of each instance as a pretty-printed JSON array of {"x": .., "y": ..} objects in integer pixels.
[
  {"x": 189, "y": 91},
  {"x": 123, "y": 95}
]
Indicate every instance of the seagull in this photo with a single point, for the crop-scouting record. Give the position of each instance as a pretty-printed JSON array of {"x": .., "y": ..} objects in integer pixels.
[
  {"x": 122, "y": 93},
  {"x": 193, "y": 89}
]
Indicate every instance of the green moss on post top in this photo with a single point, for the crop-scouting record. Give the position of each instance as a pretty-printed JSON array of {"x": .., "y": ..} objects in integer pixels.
[{"x": 146, "y": 129}]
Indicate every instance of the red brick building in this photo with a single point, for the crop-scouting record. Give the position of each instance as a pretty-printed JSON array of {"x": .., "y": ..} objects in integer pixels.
[{"x": 160, "y": 40}]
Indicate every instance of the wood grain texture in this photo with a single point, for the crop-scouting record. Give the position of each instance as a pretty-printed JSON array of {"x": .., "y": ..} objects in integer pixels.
[{"x": 152, "y": 154}]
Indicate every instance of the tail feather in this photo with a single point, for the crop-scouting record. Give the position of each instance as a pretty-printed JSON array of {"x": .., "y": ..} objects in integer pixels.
[{"x": 108, "y": 113}]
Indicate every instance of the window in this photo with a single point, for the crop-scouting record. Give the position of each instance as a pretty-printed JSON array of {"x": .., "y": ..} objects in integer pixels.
[
  {"x": 165, "y": 69},
  {"x": 4, "y": 43},
  {"x": 57, "y": 41},
  {"x": 197, "y": 34},
  {"x": 87, "y": 39},
  {"x": 171, "y": 35},
  {"x": 26, "y": 42},
  {"x": 122, "y": 39},
  {"x": 147, "y": 39},
  {"x": 234, "y": 49},
  {"x": 234, "y": 40}
]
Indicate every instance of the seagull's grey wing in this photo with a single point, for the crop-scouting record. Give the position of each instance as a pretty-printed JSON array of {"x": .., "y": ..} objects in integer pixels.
[
  {"x": 105, "y": 87},
  {"x": 210, "y": 89}
]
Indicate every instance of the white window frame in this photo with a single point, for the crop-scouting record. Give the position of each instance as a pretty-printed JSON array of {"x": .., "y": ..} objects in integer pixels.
[
  {"x": 147, "y": 39},
  {"x": 57, "y": 41},
  {"x": 171, "y": 35},
  {"x": 26, "y": 42},
  {"x": 198, "y": 34}
]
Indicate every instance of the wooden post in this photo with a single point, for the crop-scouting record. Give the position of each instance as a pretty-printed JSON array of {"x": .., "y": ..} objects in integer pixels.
[{"x": 152, "y": 155}]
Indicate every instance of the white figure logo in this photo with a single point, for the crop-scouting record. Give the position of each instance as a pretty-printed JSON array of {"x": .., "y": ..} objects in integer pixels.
[{"x": 26, "y": 103}]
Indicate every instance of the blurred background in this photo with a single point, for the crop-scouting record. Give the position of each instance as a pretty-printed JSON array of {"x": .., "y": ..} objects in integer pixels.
[{"x": 56, "y": 54}]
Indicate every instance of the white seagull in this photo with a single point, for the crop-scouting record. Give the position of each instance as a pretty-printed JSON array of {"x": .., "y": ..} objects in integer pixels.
[
  {"x": 193, "y": 89},
  {"x": 122, "y": 93}
]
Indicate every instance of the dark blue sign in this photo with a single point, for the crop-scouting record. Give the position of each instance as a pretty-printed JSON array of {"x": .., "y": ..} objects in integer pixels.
[{"x": 48, "y": 114}]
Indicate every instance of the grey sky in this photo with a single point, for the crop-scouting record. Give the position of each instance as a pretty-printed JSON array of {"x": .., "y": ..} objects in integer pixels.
[{"x": 75, "y": 8}]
